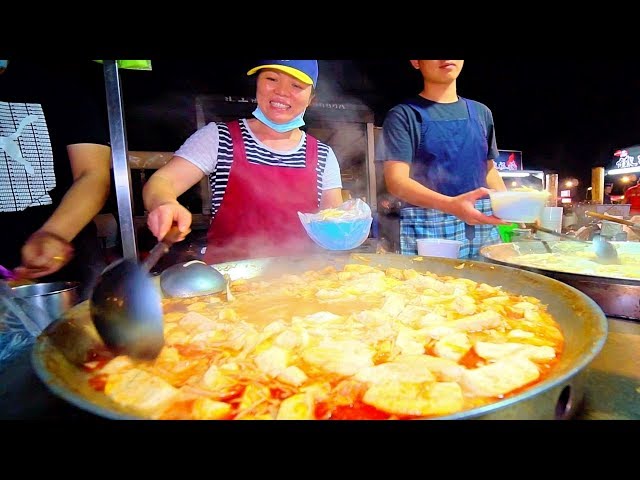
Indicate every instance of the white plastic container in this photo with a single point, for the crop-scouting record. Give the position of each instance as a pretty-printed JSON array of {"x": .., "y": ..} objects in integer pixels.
[
  {"x": 438, "y": 247},
  {"x": 551, "y": 218},
  {"x": 518, "y": 206}
]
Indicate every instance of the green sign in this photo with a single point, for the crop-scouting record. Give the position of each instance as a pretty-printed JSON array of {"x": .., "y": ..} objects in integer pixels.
[{"x": 132, "y": 64}]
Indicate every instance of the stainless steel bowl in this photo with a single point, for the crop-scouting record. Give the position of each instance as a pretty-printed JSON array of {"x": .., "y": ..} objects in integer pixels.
[{"x": 54, "y": 297}]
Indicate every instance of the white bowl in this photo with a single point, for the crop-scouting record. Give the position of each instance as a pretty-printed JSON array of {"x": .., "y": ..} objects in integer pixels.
[
  {"x": 518, "y": 206},
  {"x": 438, "y": 247}
]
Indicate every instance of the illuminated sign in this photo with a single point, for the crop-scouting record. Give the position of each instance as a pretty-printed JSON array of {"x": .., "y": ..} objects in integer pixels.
[
  {"x": 509, "y": 160},
  {"x": 565, "y": 193},
  {"x": 317, "y": 104},
  {"x": 626, "y": 160}
]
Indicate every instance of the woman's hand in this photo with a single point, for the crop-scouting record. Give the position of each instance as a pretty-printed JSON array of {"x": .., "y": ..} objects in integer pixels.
[
  {"x": 165, "y": 215},
  {"x": 43, "y": 254}
]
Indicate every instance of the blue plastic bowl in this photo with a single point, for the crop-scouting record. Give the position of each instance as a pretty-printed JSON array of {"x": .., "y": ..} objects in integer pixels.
[{"x": 338, "y": 235}]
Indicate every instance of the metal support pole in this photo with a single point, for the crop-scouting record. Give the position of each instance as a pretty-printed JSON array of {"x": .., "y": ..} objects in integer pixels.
[
  {"x": 119, "y": 158},
  {"x": 370, "y": 158},
  {"x": 205, "y": 188}
]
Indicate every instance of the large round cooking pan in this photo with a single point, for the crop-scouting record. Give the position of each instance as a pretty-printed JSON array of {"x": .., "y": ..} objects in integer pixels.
[
  {"x": 65, "y": 344},
  {"x": 618, "y": 297}
]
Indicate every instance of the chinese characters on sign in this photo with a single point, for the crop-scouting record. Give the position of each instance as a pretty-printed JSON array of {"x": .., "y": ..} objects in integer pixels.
[
  {"x": 625, "y": 160},
  {"x": 334, "y": 106},
  {"x": 509, "y": 160}
]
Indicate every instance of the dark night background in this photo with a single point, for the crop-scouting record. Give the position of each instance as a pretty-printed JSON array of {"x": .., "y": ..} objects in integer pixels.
[{"x": 567, "y": 116}]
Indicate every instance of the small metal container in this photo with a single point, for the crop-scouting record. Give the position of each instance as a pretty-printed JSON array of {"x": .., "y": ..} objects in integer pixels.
[{"x": 54, "y": 297}]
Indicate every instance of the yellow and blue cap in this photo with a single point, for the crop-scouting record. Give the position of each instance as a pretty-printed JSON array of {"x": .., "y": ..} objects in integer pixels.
[{"x": 304, "y": 70}]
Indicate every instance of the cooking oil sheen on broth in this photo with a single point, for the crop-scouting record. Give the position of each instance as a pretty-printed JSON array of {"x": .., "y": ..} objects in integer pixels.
[{"x": 356, "y": 343}]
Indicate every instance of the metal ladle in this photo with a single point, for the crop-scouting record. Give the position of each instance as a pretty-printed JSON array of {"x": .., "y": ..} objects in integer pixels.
[
  {"x": 191, "y": 279},
  {"x": 605, "y": 252},
  {"x": 126, "y": 306}
]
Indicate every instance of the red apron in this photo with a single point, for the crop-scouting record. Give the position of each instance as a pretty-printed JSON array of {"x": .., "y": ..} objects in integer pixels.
[{"x": 258, "y": 214}]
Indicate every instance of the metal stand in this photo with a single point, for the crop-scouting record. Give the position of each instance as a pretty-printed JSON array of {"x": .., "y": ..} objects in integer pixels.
[
  {"x": 121, "y": 172},
  {"x": 370, "y": 157}
]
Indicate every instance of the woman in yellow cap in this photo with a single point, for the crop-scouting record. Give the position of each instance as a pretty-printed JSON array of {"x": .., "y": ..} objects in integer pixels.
[{"x": 262, "y": 171}]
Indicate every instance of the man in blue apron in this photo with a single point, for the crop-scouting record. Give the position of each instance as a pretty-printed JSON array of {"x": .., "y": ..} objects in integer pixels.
[{"x": 438, "y": 150}]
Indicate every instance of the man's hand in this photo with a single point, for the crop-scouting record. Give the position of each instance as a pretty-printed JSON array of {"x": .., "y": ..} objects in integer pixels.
[
  {"x": 43, "y": 254},
  {"x": 463, "y": 207},
  {"x": 161, "y": 219}
]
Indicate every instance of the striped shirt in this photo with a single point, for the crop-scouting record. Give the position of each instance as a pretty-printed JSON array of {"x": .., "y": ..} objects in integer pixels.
[{"x": 211, "y": 150}]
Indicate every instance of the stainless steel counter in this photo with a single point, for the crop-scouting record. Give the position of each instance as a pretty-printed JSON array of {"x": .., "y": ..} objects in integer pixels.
[{"x": 612, "y": 390}]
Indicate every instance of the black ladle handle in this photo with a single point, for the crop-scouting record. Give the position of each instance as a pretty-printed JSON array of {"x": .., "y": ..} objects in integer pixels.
[{"x": 161, "y": 248}]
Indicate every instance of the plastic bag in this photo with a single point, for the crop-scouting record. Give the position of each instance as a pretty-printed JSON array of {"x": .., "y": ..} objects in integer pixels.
[
  {"x": 20, "y": 323},
  {"x": 342, "y": 228},
  {"x": 14, "y": 337}
]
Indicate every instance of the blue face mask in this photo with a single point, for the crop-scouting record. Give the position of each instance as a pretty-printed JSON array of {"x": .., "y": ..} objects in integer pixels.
[
  {"x": 279, "y": 127},
  {"x": 3, "y": 64}
]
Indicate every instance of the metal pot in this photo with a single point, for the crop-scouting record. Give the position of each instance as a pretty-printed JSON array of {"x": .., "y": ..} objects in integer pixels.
[
  {"x": 66, "y": 343},
  {"x": 54, "y": 297},
  {"x": 618, "y": 297}
]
